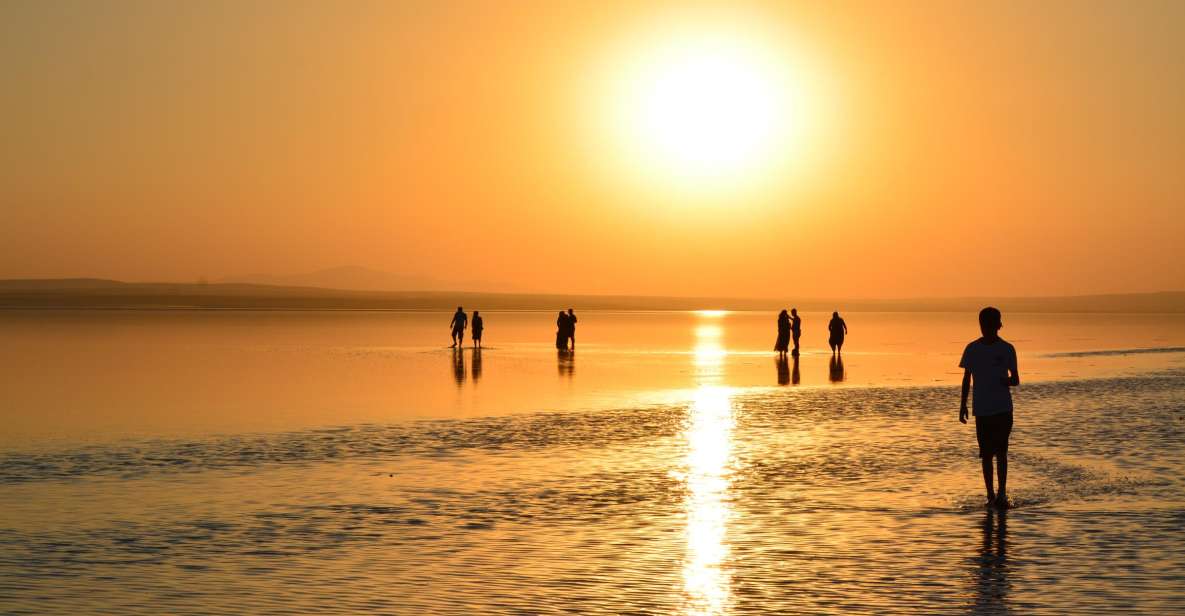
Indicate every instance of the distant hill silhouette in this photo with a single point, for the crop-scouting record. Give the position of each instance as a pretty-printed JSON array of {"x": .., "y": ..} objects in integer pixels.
[
  {"x": 357, "y": 278},
  {"x": 90, "y": 293}
]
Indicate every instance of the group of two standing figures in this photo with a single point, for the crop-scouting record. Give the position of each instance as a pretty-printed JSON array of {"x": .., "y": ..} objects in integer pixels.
[
  {"x": 790, "y": 327},
  {"x": 458, "y": 324},
  {"x": 565, "y": 332}
]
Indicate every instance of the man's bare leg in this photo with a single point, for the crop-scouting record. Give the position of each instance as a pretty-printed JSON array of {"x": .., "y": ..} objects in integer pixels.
[
  {"x": 1002, "y": 472},
  {"x": 987, "y": 480}
]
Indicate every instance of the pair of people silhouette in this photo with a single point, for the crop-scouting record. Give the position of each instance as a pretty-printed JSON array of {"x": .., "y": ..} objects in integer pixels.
[
  {"x": 789, "y": 326},
  {"x": 460, "y": 322},
  {"x": 565, "y": 334}
]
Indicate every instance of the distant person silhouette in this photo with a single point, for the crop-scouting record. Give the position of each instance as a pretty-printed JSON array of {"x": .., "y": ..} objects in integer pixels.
[
  {"x": 572, "y": 328},
  {"x": 782, "y": 344},
  {"x": 457, "y": 325},
  {"x": 795, "y": 329},
  {"x": 837, "y": 329},
  {"x": 561, "y": 331},
  {"x": 783, "y": 369},
  {"x": 477, "y": 329},
  {"x": 989, "y": 363},
  {"x": 835, "y": 369}
]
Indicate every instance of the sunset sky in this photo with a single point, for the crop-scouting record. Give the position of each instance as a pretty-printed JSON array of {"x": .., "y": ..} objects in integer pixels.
[{"x": 866, "y": 149}]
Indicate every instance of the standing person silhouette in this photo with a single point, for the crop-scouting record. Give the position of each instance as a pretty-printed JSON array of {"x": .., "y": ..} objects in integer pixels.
[
  {"x": 782, "y": 344},
  {"x": 477, "y": 329},
  {"x": 837, "y": 329},
  {"x": 571, "y": 328},
  {"x": 457, "y": 325},
  {"x": 795, "y": 329},
  {"x": 989, "y": 363},
  {"x": 561, "y": 331}
]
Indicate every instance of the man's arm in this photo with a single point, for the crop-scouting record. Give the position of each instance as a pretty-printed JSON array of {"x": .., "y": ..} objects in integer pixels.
[
  {"x": 1013, "y": 378},
  {"x": 963, "y": 399}
]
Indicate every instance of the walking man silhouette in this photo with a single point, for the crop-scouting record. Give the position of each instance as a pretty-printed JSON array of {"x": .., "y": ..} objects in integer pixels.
[
  {"x": 457, "y": 325},
  {"x": 989, "y": 366}
]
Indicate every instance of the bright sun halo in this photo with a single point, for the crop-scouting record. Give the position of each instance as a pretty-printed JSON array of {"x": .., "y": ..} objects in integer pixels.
[{"x": 704, "y": 109}]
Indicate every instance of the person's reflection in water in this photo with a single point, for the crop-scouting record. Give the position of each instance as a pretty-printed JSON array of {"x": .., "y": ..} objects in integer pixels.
[
  {"x": 991, "y": 566},
  {"x": 476, "y": 367},
  {"x": 836, "y": 370},
  {"x": 566, "y": 361},
  {"x": 795, "y": 375},
  {"x": 459, "y": 366},
  {"x": 783, "y": 369}
]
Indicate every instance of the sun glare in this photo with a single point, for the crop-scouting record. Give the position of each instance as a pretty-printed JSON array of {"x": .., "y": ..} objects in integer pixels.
[{"x": 704, "y": 109}]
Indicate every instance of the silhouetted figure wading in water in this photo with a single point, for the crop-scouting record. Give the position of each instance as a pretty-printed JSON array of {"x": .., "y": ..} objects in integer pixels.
[
  {"x": 989, "y": 363},
  {"x": 795, "y": 329},
  {"x": 478, "y": 327},
  {"x": 460, "y": 320},
  {"x": 561, "y": 331},
  {"x": 782, "y": 344},
  {"x": 572, "y": 328},
  {"x": 837, "y": 330}
]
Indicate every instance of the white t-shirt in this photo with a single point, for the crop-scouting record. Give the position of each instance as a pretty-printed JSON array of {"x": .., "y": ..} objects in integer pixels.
[{"x": 989, "y": 365}]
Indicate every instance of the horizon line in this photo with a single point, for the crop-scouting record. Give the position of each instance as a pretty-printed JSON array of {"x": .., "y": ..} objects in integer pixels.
[{"x": 433, "y": 292}]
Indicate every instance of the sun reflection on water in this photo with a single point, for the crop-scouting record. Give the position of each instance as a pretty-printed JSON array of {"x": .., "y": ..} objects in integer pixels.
[{"x": 709, "y": 450}]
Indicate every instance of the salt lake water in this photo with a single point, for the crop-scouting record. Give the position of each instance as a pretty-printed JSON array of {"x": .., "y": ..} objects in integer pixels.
[{"x": 197, "y": 462}]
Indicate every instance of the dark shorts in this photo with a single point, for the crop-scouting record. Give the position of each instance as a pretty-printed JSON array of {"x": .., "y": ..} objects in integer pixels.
[{"x": 992, "y": 433}]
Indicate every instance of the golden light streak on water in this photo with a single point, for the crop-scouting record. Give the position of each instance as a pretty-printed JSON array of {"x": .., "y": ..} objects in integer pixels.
[{"x": 709, "y": 450}]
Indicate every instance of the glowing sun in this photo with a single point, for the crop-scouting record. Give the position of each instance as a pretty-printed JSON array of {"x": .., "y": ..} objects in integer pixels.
[{"x": 700, "y": 109}]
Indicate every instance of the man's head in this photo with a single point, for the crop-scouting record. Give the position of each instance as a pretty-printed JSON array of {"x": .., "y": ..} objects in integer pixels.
[
  {"x": 459, "y": 309},
  {"x": 569, "y": 311},
  {"x": 989, "y": 322},
  {"x": 794, "y": 311}
]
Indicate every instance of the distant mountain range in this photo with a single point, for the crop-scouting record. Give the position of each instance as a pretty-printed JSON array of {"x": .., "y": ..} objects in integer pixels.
[
  {"x": 355, "y": 278},
  {"x": 90, "y": 293}
]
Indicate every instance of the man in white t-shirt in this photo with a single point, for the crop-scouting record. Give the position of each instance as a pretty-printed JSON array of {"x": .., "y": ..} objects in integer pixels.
[{"x": 990, "y": 362}]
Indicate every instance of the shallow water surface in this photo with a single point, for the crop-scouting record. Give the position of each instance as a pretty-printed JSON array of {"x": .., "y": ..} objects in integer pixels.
[{"x": 705, "y": 494}]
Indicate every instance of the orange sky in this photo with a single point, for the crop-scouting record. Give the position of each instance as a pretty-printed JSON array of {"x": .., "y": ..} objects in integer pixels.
[{"x": 954, "y": 148}]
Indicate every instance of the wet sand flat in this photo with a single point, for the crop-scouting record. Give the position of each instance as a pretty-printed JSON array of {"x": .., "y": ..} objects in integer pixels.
[{"x": 709, "y": 495}]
